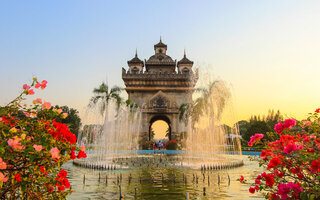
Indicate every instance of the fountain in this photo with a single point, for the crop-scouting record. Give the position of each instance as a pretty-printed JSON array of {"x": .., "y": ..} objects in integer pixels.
[
  {"x": 113, "y": 141},
  {"x": 210, "y": 143}
]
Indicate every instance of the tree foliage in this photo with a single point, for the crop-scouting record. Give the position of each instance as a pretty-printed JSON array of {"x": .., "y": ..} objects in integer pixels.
[
  {"x": 72, "y": 120},
  {"x": 104, "y": 94},
  {"x": 211, "y": 102}
]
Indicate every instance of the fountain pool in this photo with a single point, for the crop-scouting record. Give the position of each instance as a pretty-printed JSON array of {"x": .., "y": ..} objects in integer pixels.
[{"x": 157, "y": 182}]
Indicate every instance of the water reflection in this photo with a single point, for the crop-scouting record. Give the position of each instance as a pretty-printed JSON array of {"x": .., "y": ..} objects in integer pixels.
[{"x": 160, "y": 183}]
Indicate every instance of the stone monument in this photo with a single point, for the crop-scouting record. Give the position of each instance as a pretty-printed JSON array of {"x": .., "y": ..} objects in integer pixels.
[{"x": 159, "y": 86}]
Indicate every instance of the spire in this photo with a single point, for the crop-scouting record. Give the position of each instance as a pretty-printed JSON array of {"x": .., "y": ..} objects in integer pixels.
[
  {"x": 160, "y": 39},
  {"x": 135, "y": 60},
  {"x": 185, "y": 60}
]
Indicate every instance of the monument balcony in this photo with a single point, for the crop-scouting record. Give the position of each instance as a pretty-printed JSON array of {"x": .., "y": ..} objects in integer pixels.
[{"x": 127, "y": 75}]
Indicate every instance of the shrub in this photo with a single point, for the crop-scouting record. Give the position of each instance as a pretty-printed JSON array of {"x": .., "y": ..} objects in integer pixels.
[
  {"x": 33, "y": 147},
  {"x": 292, "y": 161},
  {"x": 171, "y": 145}
]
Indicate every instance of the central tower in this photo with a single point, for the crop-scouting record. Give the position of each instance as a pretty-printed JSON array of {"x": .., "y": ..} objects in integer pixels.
[{"x": 159, "y": 86}]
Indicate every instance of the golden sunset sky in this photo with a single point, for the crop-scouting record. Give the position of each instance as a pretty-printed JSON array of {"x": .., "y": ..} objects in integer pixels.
[{"x": 266, "y": 51}]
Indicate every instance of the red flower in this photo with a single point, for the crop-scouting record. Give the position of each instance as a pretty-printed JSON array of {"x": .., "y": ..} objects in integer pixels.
[
  {"x": 317, "y": 110},
  {"x": 315, "y": 166},
  {"x": 43, "y": 170},
  {"x": 17, "y": 177},
  {"x": 66, "y": 183},
  {"x": 73, "y": 155},
  {"x": 61, "y": 188},
  {"x": 81, "y": 154},
  {"x": 279, "y": 174},
  {"x": 310, "y": 150},
  {"x": 274, "y": 162},
  {"x": 241, "y": 179},
  {"x": 300, "y": 176},
  {"x": 49, "y": 188},
  {"x": 274, "y": 196},
  {"x": 269, "y": 179},
  {"x": 252, "y": 190},
  {"x": 61, "y": 132},
  {"x": 62, "y": 174},
  {"x": 295, "y": 170}
]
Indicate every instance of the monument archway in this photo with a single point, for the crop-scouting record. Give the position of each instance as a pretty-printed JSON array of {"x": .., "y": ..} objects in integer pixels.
[
  {"x": 159, "y": 86},
  {"x": 157, "y": 118}
]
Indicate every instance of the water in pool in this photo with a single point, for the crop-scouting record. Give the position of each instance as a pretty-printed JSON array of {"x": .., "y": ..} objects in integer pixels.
[{"x": 157, "y": 182}]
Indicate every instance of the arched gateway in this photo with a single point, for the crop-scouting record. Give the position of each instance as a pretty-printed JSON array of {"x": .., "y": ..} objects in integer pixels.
[{"x": 159, "y": 86}]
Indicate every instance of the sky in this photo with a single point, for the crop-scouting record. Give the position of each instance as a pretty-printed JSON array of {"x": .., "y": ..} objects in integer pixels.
[{"x": 267, "y": 51}]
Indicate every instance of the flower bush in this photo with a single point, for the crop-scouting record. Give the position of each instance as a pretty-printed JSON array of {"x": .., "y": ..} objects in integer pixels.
[
  {"x": 171, "y": 145},
  {"x": 33, "y": 147},
  {"x": 292, "y": 160}
]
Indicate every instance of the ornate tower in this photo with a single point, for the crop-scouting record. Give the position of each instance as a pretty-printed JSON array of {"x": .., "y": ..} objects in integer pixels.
[
  {"x": 159, "y": 86},
  {"x": 135, "y": 64}
]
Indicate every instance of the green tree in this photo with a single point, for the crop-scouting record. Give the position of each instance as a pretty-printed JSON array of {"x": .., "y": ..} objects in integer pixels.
[
  {"x": 271, "y": 118},
  {"x": 256, "y": 127},
  {"x": 212, "y": 102},
  {"x": 105, "y": 94},
  {"x": 243, "y": 127},
  {"x": 72, "y": 120}
]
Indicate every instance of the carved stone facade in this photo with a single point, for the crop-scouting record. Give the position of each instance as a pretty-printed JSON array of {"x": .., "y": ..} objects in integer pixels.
[{"x": 159, "y": 86}]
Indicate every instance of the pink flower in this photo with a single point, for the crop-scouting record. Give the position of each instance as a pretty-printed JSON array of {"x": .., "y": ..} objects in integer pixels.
[
  {"x": 46, "y": 105},
  {"x": 64, "y": 115},
  {"x": 15, "y": 143},
  {"x": 55, "y": 153},
  {"x": 255, "y": 138},
  {"x": 295, "y": 186},
  {"x": 26, "y": 87},
  {"x": 307, "y": 123},
  {"x": 291, "y": 147},
  {"x": 288, "y": 123},
  {"x": 82, "y": 148},
  {"x": 3, "y": 178},
  {"x": 278, "y": 128},
  {"x": 36, "y": 101},
  {"x": 283, "y": 190},
  {"x": 57, "y": 110},
  {"x": 37, "y": 147},
  {"x": 313, "y": 136},
  {"x": 37, "y": 85},
  {"x": 30, "y": 92},
  {"x": 43, "y": 84},
  {"x": 3, "y": 165}
]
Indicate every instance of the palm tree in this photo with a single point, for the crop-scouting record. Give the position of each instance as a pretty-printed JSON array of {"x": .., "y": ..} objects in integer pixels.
[
  {"x": 213, "y": 99},
  {"x": 104, "y": 94}
]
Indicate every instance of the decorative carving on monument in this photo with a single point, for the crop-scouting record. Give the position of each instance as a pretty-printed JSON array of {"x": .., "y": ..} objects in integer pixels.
[{"x": 160, "y": 102}]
